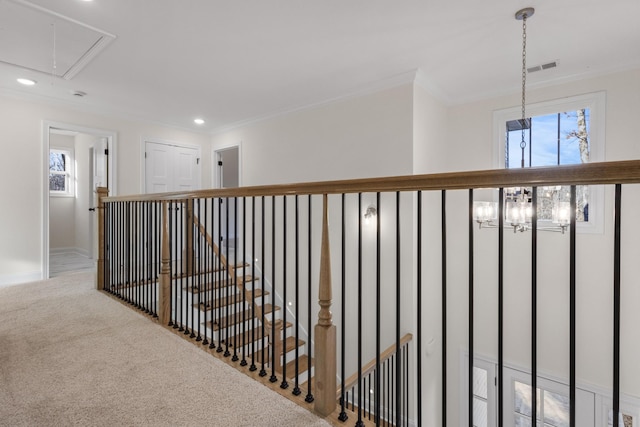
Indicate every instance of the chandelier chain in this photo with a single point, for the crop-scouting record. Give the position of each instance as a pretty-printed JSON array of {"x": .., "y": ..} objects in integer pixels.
[{"x": 523, "y": 143}]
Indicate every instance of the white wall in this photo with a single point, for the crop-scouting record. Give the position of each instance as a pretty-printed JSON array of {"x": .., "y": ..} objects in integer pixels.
[
  {"x": 356, "y": 138},
  {"x": 469, "y": 146},
  {"x": 21, "y": 139}
]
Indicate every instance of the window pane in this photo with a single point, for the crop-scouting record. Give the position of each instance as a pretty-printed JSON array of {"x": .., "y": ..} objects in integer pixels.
[
  {"x": 57, "y": 162},
  {"x": 544, "y": 140},
  {"x": 57, "y": 182},
  {"x": 556, "y": 409},
  {"x": 514, "y": 156},
  {"x": 522, "y": 421},
  {"x": 480, "y": 382},
  {"x": 569, "y": 142},
  {"x": 553, "y": 139},
  {"x": 523, "y": 399},
  {"x": 480, "y": 417},
  {"x": 623, "y": 421}
]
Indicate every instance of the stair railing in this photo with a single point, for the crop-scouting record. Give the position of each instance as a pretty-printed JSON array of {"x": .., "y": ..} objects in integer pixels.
[{"x": 362, "y": 279}]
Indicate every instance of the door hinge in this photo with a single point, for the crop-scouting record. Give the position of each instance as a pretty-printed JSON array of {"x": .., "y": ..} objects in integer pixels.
[
  {"x": 198, "y": 161},
  {"x": 145, "y": 154},
  {"x": 219, "y": 162},
  {"x": 106, "y": 151}
]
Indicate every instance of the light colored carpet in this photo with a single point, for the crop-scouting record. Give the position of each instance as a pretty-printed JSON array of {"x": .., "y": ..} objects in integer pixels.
[{"x": 70, "y": 355}]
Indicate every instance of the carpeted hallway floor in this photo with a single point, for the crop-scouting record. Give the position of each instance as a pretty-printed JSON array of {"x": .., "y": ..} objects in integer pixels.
[{"x": 70, "y": 355}]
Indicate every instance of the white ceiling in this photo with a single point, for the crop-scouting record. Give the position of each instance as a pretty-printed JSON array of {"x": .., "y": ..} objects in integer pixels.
[{"x": 230, "y": 62}]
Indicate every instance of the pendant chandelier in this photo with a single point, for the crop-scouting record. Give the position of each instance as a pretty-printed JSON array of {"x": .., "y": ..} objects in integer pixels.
[{"x": 518, "y": 207}]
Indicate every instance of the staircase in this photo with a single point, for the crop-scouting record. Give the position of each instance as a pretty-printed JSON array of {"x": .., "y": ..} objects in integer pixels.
[{"x": 223, "y": 306}]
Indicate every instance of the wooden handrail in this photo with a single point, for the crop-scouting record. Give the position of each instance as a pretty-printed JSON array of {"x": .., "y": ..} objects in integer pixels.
[
  {"x": 369, "y": 367},
  {"x": 620, "y": 172},
  {"x": 223, "y": 260}
]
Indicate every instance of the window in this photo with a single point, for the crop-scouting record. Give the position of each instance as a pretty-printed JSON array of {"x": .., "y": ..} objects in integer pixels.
[
  {"x": 61, "y": 179},
  {"x": 560, "y": 132},
  {"x": 552, "y": 402},
  {"x": 484, "y": 392},
  {"x": 552, "y": 407}
]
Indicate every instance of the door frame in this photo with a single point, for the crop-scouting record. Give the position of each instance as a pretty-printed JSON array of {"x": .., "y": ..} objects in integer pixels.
[
  {"x": 143, "y": 163},
  {"x": 215, "y": 155},
  {"x": 47, "y": 126}
]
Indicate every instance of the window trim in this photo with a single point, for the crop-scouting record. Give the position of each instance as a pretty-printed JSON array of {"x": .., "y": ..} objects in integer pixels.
[
  {"x": 596, "y": 103},
  {"x": 70, "y": 172}
]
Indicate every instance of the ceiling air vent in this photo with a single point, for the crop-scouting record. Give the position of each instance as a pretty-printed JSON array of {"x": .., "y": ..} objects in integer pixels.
[{"x": 546, "y": 66}]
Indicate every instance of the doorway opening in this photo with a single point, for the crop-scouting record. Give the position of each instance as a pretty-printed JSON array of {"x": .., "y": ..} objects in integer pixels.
[
  {"x": 76, "y": 160},
  {"x": 226, "y": 174}
]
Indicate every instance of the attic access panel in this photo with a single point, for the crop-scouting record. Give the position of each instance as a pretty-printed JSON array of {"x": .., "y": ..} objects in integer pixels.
[{"x": 28, "y": 33}]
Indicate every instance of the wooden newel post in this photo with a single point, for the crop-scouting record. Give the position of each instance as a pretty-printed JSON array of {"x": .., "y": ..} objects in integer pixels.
[
  {"x": 100, "y": 282},
  {"x": 164, "y": 292},
  {"x": 325, "y": 330}
]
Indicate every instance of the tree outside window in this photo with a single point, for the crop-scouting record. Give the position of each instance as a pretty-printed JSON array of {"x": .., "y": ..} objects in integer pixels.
[
  {"x": 61, "y": 178},
  {"x": 552, "y": 140}
]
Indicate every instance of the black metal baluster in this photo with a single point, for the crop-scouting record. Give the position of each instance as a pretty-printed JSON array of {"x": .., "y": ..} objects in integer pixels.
[
  {"x": 135, "y": 288},
  {"x": 263, "y": 372},
  {"x": 359, "y": 423},
  {"x": 245, "y": 309},
  {"x": 500, "y": 307},
  {"x": 253, "y": 366},
  {"x": 343, "y": 415},
  {"x": 443, "y": 236},
  {"x": 234, "y": 283},
  {"x": 220, "y": 279},
  {"x": 227, "y": 276},
  {"x": 419, "y": 308},
  {"x": 296, "y": 389},
  {"x": 206, "y": 272},
  {"x": 157, "y": 262},
  {"x": 192, "y": 260},
  {"x": 398, "y": 307},
  {"x": 284, "y": 384},
  {"x": 131, "y": 254},
  {"x": 534, "y": 306},
  {"x": 178, "y": 268},
  {"x": 173, "y": 290},
  {"x": 213, "y": 276},
  {"x": 470, "y": 365},
  {"x": 197, "y": 243},
  {"x": 106, "y": 232},
  {"x": 309, "y": 397},
  {"x": 572, "y": 310},
  {"x": 117, "y": 254},
  {"x": 183, "y": 264},
  {"x": 378, "y": 313},
  {"x": 273, "y": 377},
  {"x": 616, "y": 304},
  {"x": 147, "y": 267}
]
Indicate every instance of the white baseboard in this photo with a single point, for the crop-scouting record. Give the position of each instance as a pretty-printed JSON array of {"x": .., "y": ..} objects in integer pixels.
[
  {"x": 17, "y": 279},
  {"x": 79, "y": 251}
]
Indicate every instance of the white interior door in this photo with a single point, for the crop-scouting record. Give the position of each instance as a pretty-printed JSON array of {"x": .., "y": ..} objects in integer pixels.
[
  {"x": 98, "y": 174},
  {"x": 171, "y": 168}
]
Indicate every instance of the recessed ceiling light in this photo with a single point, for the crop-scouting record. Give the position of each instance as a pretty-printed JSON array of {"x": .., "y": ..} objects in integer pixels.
[
  {"x": 198, "y": 121},
  {"x": 27, "y": 82}
]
